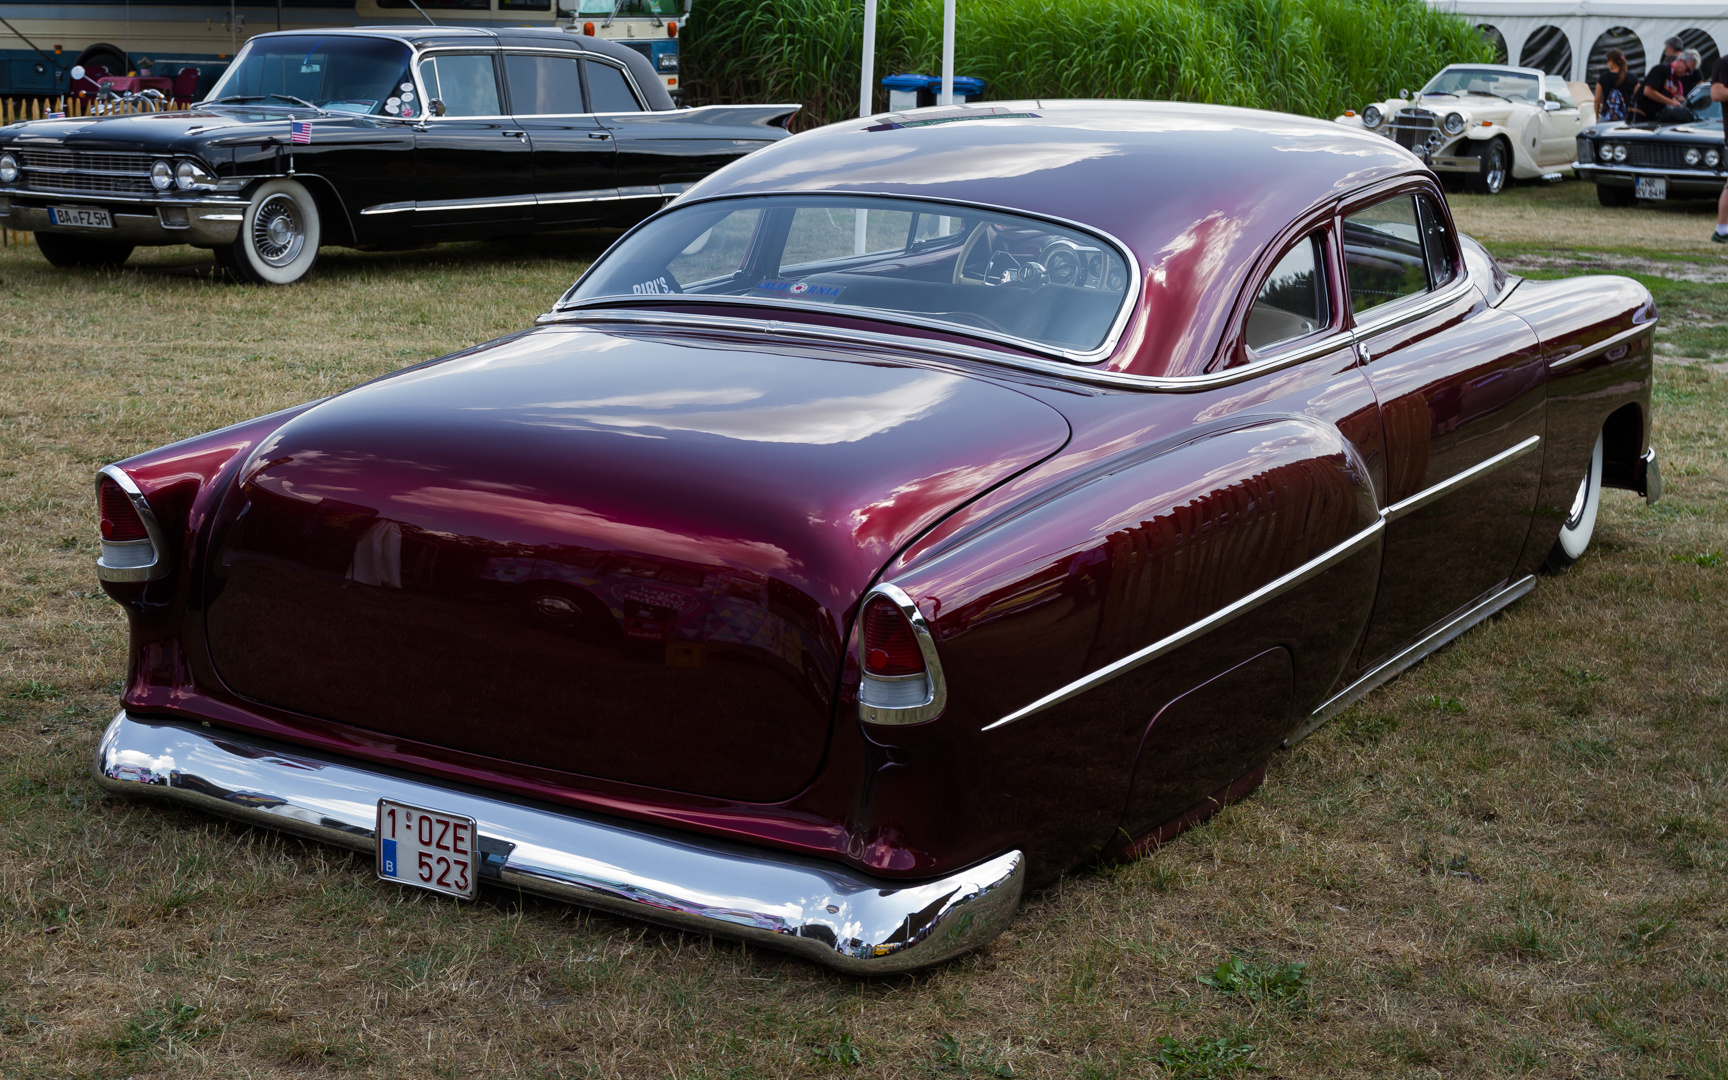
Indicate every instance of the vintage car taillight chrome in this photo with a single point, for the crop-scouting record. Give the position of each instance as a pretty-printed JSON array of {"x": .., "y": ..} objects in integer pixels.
[
  {"x": 1694, "y": 155},
  {"x": 1713, "y": 158},
  {"x": 1372, "y": 117},
  {"x": 1619, "y": 151},
  {"x": 133, "y": 548},
  {"x": 8, "y": 169},
  {"x": 161, "y": 175},
  {"x": 191, "y": 176},
  {"x": 902, "y": 679},
  {"x": 1454, "y": 123}
]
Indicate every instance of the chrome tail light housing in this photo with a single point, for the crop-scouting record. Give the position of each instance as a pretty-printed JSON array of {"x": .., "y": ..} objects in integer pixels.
[
  {"x": 901, "y": 679},
  {"x": 133, "y": 547}
]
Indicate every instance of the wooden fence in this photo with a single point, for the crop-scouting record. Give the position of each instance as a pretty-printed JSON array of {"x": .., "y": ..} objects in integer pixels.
[{"x": 16, "y": 110}]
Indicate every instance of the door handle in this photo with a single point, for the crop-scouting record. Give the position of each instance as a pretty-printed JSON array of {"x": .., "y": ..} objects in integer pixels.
[
  {"x": 1362, "y": 351},
  {"x": 515, "y": 134},
  {"x": 599, "y": 134}
]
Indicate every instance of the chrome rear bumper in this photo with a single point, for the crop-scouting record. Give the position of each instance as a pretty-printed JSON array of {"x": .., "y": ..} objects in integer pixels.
[{"x": 822, "y": 911}]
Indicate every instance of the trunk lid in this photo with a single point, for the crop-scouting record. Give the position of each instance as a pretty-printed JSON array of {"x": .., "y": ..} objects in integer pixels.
[{"x": 610, "y": 554}]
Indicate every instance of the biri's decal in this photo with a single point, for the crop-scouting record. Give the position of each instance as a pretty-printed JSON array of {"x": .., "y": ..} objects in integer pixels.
[{"x": 655, "y": 287}]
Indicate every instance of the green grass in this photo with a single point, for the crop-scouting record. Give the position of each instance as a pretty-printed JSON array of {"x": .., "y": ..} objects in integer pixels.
[{"x": 1316, "y": 57}]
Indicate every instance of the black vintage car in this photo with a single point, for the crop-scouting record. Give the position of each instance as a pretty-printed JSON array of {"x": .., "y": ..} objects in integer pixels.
[
  {"x": 1657, "y": 161},
  {"x": 373, "y": 138}
]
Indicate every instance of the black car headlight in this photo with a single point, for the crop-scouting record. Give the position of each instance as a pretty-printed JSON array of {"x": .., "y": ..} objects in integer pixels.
[
  {"x": 191, "y": 176},
  {"x": 161, "y": 176},
  {"x": 1372, "y": 117},
  {"x": 8, "y": 169},
  {"x": 1694, "y": 155},
  {"x": 1619, "y": 151},
  {"x": 1712, "y": 158},
  {"x": 1605, "y": 152},
  {"x": 1454, "y": 123}
]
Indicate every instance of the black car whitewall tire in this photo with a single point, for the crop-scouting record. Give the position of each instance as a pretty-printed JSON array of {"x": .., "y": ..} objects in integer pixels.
[
  {"x": 1493, "y": 162},
  {"x": 1581, "y": 516},
  {"x": 80, "y": 252},
  {"x": 279, "y": 236}
]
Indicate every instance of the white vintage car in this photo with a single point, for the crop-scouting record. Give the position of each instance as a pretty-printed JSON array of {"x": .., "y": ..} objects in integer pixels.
[{"x": 1480, "y": 123}]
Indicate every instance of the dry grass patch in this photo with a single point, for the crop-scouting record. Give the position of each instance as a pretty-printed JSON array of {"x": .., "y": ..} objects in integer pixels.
[
  {"x": 1567, "y": 216},
  {"x": 1513, "y": 861}
]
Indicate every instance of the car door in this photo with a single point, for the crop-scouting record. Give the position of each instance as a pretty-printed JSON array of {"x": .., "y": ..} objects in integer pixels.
[
  {"x": 1460, "y": 387},
  {"x": 473, "y": 163},
  {"x": 1560, "y": 123},
  {"x": 575, "y": 159},
  {"x": 642, "y": 155}
]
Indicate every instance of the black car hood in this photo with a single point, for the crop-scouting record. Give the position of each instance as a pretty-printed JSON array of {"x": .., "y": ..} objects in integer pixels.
[{"x": 184, "y": 131}]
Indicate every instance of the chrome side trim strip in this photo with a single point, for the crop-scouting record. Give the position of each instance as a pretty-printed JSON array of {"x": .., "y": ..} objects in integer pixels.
[
  {"x": 1478, "y": 610},
  {"x": 129, "y": 568},
  {"x": 1242, "y": 606},
  {"x": 822, "y": 911},
  {"x": 1482, "y": 468},
  {"x": 1603, "y": 346},
  {"x": 387, "y": 208},
  {"x": 1399, "y": 314},
  {"x": 936, "y": 695},
  {"x": 593, "y": 195},
  {"x": 476, "y": 204}
]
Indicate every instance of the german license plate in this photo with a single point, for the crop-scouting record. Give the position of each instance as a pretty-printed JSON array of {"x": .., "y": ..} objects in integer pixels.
[
  {"x": 1652, "y": 187},
  {"x": 84, "y": 217},
  {"x": 428, "y": 849}
]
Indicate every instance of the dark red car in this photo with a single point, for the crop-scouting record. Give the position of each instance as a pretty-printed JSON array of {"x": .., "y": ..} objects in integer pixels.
[{"x": 914, "y": 510}]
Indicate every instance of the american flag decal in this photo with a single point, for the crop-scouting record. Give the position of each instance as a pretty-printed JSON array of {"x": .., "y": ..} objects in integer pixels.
[
  {"x": 56, "y": 116},
  {"x": 300, "y": 131}
]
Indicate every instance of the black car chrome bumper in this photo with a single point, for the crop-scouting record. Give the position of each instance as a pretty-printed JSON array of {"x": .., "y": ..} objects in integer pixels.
[
  {"x": 1699, "y": 182},
  {"x": 821, "y": 911},
  {"x": 205, "y": 222}
]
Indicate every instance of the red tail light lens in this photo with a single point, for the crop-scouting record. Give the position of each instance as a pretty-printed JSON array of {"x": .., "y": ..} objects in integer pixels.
[
  {"x": 890, "y": 647},
  {"x": 120, "y": 520}
]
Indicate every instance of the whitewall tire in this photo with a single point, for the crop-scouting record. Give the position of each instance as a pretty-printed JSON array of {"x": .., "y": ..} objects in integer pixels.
[
  {"x": 279, "y": 237},
  {"x": 1580, "y": 523}
]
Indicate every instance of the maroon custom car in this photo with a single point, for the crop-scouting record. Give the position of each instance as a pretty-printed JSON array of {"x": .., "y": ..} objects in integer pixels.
[{"x": 914, "y": 510}]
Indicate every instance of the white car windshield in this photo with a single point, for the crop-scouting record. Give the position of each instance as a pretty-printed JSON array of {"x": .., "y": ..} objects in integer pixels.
[
  {"x": 1487, "y": 82},
  {"x": 984, "y": 272},
  {"x": 335, "y": 72}
]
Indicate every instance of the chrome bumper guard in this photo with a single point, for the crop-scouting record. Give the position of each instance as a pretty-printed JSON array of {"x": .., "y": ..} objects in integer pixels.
[
  {"x": 821, "y": 911},
  {"x": 209, "y": 223}
]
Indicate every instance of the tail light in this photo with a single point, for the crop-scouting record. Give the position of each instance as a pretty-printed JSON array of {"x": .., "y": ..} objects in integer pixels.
[
  {"x": 902, "y": 680},
  {"x": 132, "y": 548}
]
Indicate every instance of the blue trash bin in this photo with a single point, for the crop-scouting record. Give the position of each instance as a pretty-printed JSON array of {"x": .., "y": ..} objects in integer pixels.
[{"x": 923, "y": 91}]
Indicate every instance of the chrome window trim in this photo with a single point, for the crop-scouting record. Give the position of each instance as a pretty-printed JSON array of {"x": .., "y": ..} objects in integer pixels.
[
  {"x": 158, "y": 566},
  {"x": 1482, "y": 468},
  {"x": 563, "y": 54},
  {"x": 1241, "y": 606},
  {"x": 1107, "y": 348},
  {"x": 937, "y": 698},
  {"x": 629, "y": 80},
  {"x": 435, "y": 51},
  {"x": 1408, "y": 309},
  {"x": 1602, "y": 346}
]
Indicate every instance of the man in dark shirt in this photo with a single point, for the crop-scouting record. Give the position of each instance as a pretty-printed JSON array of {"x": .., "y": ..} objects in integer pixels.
[
  {"x": 1662, "y": 88},
  {"x": 1719, "y": 92}
]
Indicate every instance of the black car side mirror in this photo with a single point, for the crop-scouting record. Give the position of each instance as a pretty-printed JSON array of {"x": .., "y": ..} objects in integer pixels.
[{"x": 436, "y": 107}]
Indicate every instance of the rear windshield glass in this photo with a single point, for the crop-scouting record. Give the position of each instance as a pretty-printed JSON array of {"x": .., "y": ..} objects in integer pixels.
[{"x": 989, "y": 273}]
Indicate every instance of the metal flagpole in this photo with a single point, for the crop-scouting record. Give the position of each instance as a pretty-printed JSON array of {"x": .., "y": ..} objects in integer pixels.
[
  {"x": 947, "y": 52},
  {"x": 861, "y": 217}
]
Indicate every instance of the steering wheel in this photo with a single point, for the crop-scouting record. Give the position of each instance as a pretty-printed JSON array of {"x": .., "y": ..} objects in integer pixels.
[{"x": 982, "y": 229}]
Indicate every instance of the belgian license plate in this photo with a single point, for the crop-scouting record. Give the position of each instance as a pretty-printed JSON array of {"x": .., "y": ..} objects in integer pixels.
[
  {"x": 84, "y": 217},
  {"x": 1652, "y": 187},
  {"x": 428, "y": 849}
]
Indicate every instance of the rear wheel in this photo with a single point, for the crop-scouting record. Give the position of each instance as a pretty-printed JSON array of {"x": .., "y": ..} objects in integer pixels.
[
  {"x": 1581, "y": 518},
  {"x": 1615, "y": 196},
  {"x": 1490, "y": 175},
  {"x": 81, "y": 252},
  {"x": 278, "y": 241}
]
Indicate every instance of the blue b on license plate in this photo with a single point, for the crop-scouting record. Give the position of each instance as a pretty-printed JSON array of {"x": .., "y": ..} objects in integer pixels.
[
  {"x": 84, "y": 217},
  {"x": 428, "y": 849}
]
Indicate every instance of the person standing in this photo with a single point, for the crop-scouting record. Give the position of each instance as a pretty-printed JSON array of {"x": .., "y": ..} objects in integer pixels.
[
  {"x": 1719, "y": 92},
  {"x": 1614, "y": 88}
]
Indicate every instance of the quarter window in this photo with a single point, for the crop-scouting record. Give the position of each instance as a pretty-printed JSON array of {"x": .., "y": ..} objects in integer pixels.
[
  {"x": 544, "y": 85},
  {"x": 1437, "y": 240},
  {"x": 1383, "y": 257},
  {"x": 608, "y": 90},
  {"x": 467, "y": 83},
  {"x": 1292, "y": 303}
]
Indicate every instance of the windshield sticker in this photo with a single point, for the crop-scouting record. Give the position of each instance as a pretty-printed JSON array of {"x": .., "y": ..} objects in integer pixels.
[
  {"x": 896, "y": 120},
  {"x": 406, "y": 87},
  {"x": 656, "y": 287},
  {"x": 800, "y": 290},
  {"x": 408, "y": 111}
]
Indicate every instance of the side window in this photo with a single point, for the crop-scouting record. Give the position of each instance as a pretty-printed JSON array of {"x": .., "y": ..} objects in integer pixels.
[
  {"x": 1554, "y": 89},
  {"x": 467, "y": 83},
  {"x": 544, "y": 85},
  {"x": 608, "y": 90},
  {"x": 1437, "y": 241},
  {"x": 1292, "y": 303},
  {"x": 1383, "y": 258}
]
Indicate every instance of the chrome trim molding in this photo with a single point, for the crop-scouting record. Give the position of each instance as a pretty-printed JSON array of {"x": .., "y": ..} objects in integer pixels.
[
  {"x": 1480, "y": 469},
  {"x": 128, "y": 568},
  {"x": 387, "y": 208},
  {"x": 822, "y": 911},
  {"x": 1478, "y": 610},
  {"x": 1603, "y": 346},
  {"x": 488, "y": 203},
  {"x": 936, "y": 687},
  {"x": 1324, "y": 561},
  {"x": 593, "y": 195},
  {"x": 1406, "y": 311}
]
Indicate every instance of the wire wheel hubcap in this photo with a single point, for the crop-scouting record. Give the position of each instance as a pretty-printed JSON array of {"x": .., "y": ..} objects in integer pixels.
[
  {"x": 1496, "y": 168},
  {"x": 278, "y": 230}
]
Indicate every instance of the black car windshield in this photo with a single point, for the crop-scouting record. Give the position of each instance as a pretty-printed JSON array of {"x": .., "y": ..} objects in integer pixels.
[
  {"x": 1493, "y": 82},
  {"x": 984, "y": 272},
  {"x": 335, "y": 72}
]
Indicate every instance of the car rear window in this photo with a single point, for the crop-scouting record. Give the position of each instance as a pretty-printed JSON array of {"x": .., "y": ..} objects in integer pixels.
[{"x": 988, "y": 273}]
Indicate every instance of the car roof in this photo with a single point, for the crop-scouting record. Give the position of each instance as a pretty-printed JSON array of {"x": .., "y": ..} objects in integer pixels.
[
  {"x": 1195, "y": 192},
  {"x": 1508, "y": 68}
]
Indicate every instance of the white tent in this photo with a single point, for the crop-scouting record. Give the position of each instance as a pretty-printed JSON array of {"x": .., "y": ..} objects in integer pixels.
[{"x": 1570, "y": 37}]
